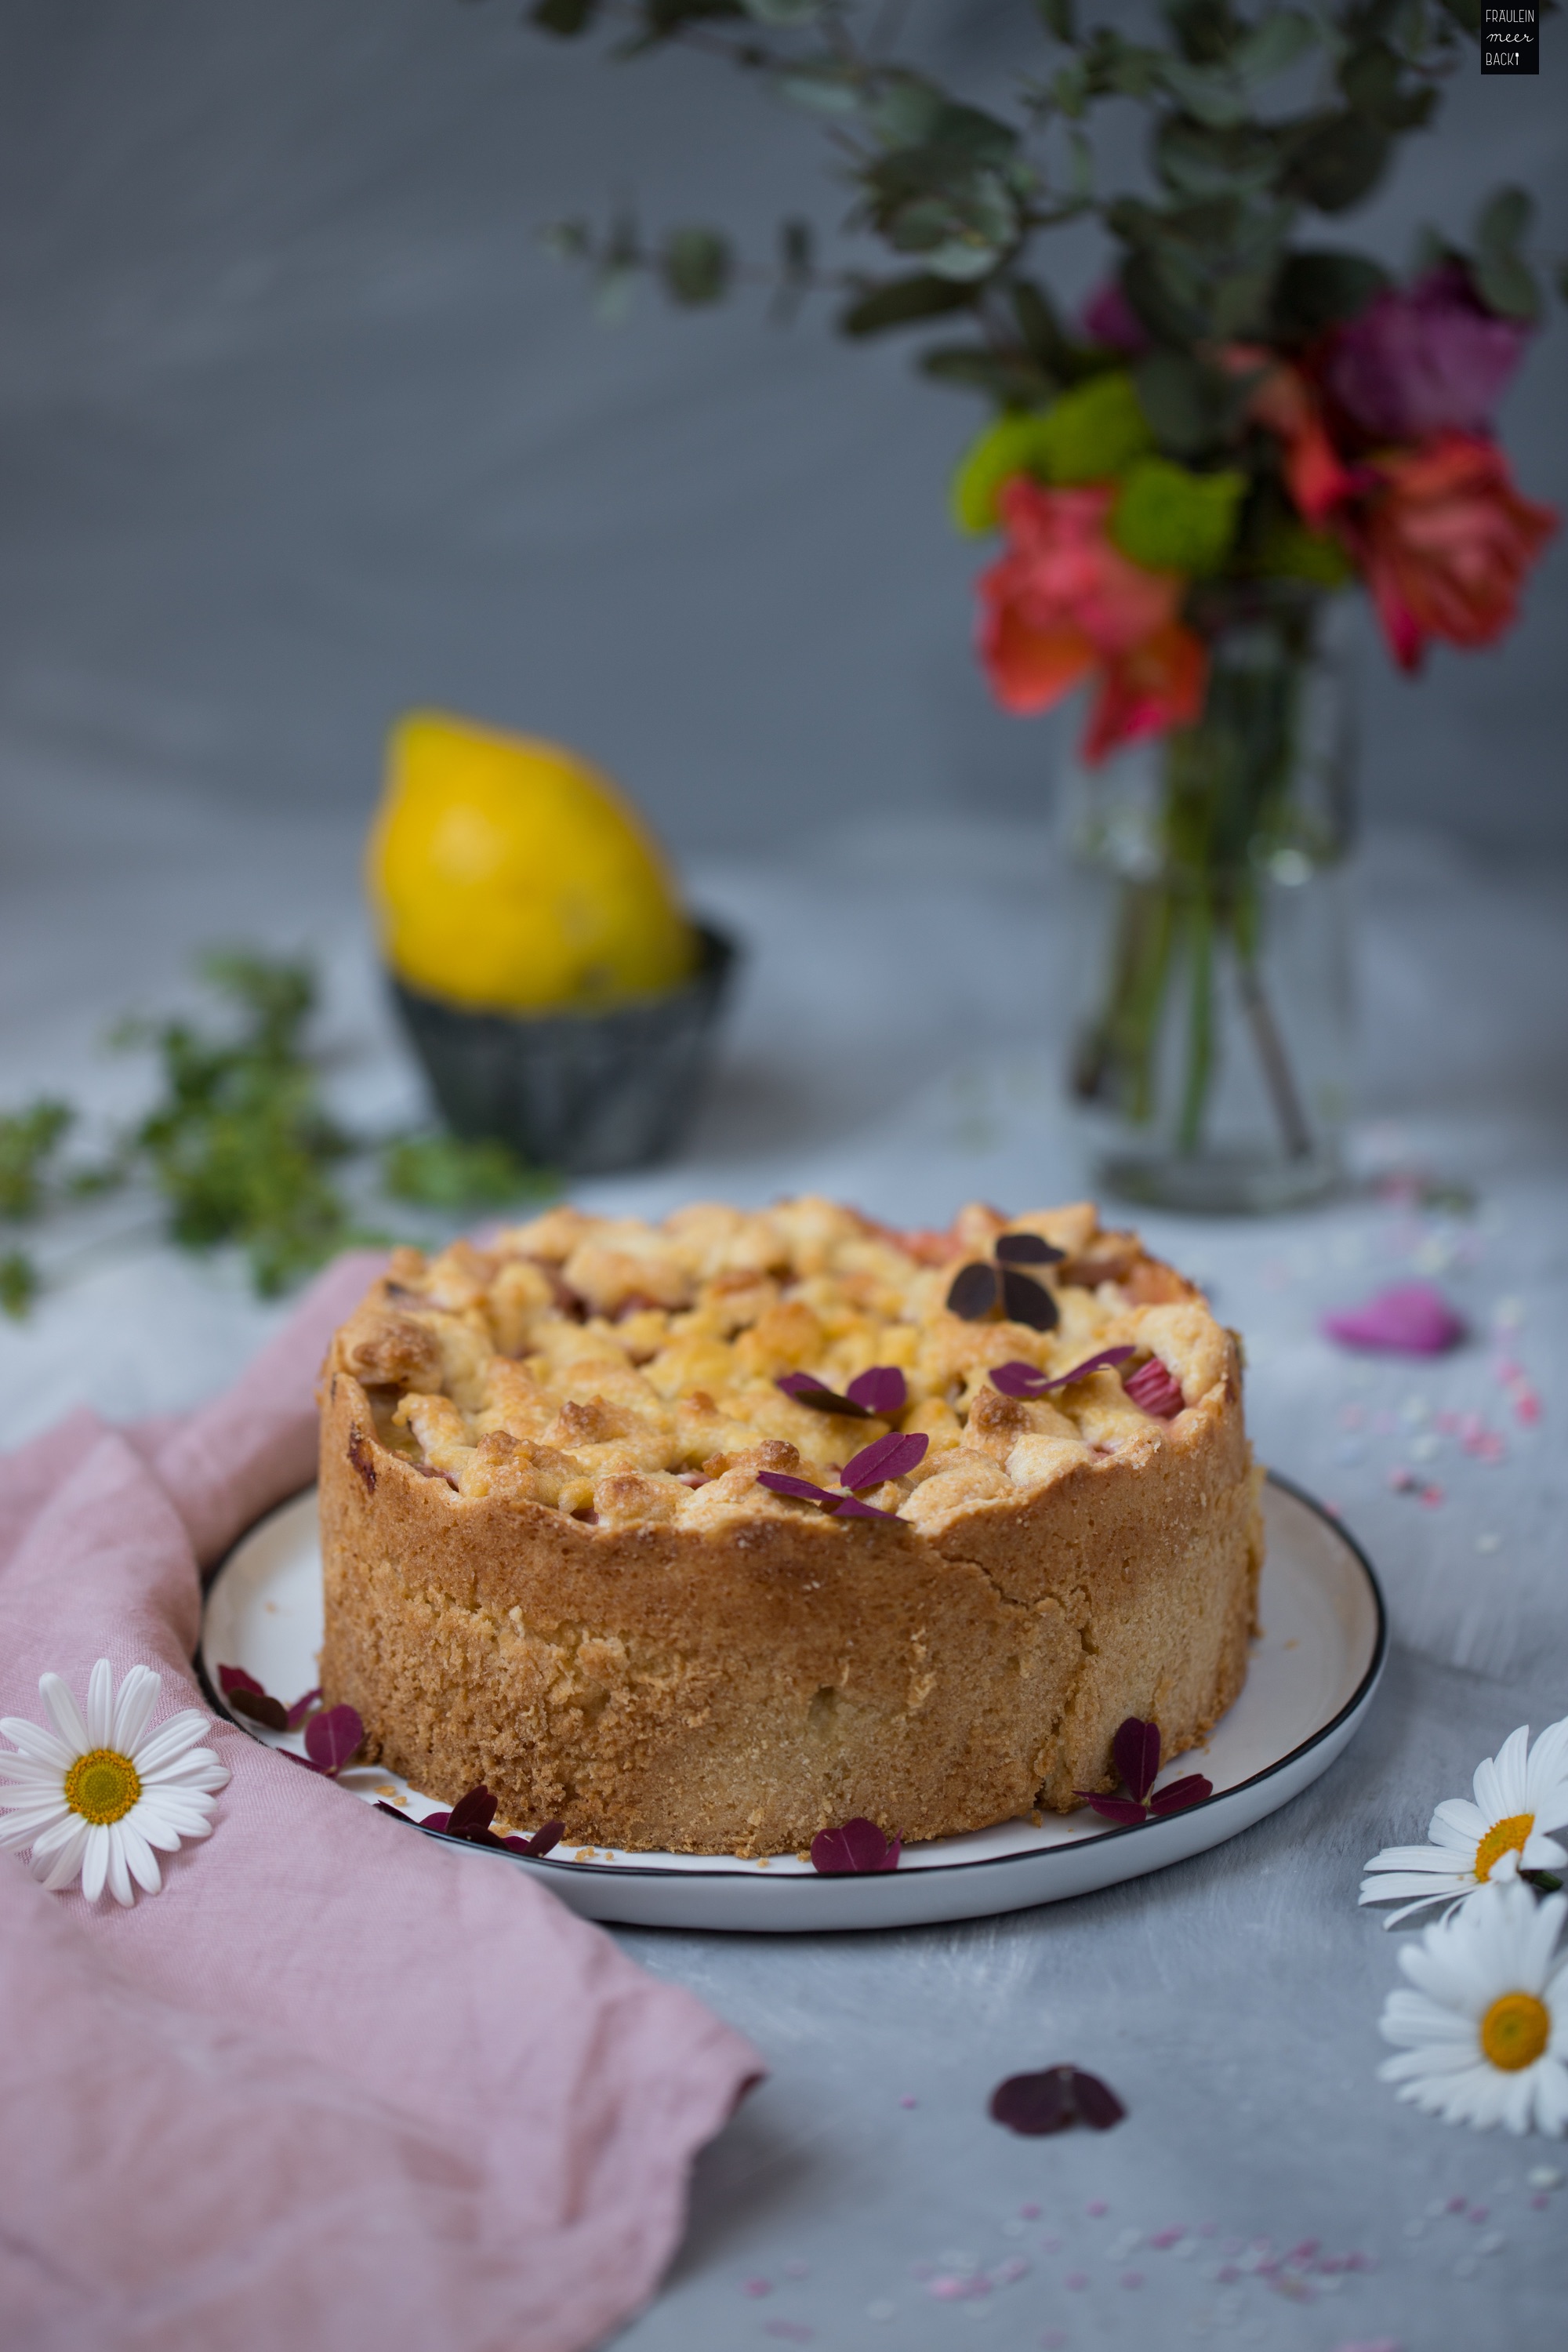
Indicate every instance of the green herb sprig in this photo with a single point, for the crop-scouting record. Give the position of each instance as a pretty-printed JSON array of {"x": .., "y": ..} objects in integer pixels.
[{"x": 239, "y": 1144}]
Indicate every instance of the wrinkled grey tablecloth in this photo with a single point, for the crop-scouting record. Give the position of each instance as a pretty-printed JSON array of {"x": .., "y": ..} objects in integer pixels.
[{"x": 897, "y": 1044}]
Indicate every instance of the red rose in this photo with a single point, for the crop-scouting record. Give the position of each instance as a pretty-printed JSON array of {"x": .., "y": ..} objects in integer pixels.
[{"x": 1445, "y": 540}]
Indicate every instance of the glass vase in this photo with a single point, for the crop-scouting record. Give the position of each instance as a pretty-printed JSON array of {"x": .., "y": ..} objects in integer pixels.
[{"x": 1211, "y": 1046}]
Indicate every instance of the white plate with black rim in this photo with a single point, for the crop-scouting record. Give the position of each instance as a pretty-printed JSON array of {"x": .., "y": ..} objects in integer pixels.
[{"x": 1315, "y": 1671}]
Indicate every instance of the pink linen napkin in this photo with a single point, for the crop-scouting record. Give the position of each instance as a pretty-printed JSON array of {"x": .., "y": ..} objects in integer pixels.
[{"x": 334, "y": 2084}]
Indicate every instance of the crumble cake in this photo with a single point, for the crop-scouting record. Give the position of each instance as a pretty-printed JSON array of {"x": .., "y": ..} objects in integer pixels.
[{"x": 583, "y": 1546}]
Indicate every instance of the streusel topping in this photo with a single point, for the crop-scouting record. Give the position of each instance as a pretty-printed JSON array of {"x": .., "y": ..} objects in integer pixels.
[{"x": 626, "y": 1373}]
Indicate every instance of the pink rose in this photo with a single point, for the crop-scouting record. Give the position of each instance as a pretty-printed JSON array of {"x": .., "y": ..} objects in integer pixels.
[{"x": 1063, "y": 603}]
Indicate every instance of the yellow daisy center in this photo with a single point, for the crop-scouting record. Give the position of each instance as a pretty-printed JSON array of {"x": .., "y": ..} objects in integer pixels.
[
  {"x": 1503, "y": 1837},
  {"x": 1515, "y": 2029},
  {"x": 103, "y": 1786}
]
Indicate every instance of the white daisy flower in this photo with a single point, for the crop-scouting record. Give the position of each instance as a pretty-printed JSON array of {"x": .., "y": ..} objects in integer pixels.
[
  {"x": 1519, "y": 1797},
  {"x": 1484, "y": 2035},
  {"x": 95, "y": 1795}
]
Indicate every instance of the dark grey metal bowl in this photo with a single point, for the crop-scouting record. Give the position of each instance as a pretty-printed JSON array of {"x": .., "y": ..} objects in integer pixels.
[{"x": 584, "y": 1092}]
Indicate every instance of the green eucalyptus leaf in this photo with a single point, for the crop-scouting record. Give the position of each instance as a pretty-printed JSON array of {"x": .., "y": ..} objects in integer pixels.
[
  {"x": 1012, "y": 381},
  {"x": 1239, "y": 301},
  {"x": 1044, "y": 336},
  {"x": 1319, "y": 289},
  {"x": 1504, "y": 220},
  {"x": 564, "y": 18},
  {"x": 1338, "y": 159},
  {"x": 663, "y": 19},
  {"x": 1169, "y": 317},
  {"x": 1183, "y": 402},
  {"x": 906, "y": 110},
  {"x": 1207, "y": 30},
  {"x": 1507, "y": 285},
  {"x": 1059, "y": 18},
  {"x": 697, "y": 265},
  {"x": 1274, "y": 44},
  {"x": 18, "y": 1285},
  {"x": 903, "y": 302},
  {"x": 823, "y": 85},
  {"x": 1197, "y": 159},
  {"x": 1170, "y": 520},
  {"x": 1069, "y": 89},
  {"x": 1207, "y": 92}
]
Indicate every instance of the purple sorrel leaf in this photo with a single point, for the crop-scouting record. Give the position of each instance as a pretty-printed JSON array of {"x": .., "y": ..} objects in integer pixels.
[
  {"x": 1181, "y": 1794},
  {"x": 234, "y": 1679},
  {"x": 1413, "y": 1319},
  {"x": 435, "y": 1821},
  {"x": 973, "y": 1292},
  {"x": 474, "y": 1812},
  {"x": 1136, "y": 1748},
  {"x": 1025, "y": 1300},
  {"x": 850, "y": 1507},
  {"x": 545, "y": 1839},
  {"x": 301, "y": 1707},
  {"x": 881, "y": 1389},
  {"x": 1107, "y": 1356},
  {"x": 1020, "y": 1380},
  {"x": 1028, "y": 1249},
  {"x": 1153, "y": 1391},
  {"x": 820, "y": 1397},
  {"x": 893, "y": 1456},
  {"x": 1096, "y": 2102},
  {"x": 779, "y": 1482},
  {"x": 398, "y": 1815},
  {"x": 1124, "y": 1810},
  {"x": 261, "y": 1708},
  {"x": 858, "y": 1845},
  {"x": 334, "y": 1738},
  {"x": 1036, "y": 2104}
]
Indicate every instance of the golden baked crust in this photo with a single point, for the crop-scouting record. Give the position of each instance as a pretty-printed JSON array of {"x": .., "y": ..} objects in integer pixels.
[{"x": 550, "y": 1566}]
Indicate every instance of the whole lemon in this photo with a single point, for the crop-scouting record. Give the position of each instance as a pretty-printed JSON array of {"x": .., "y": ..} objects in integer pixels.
[{"x": 509, "y": 874}]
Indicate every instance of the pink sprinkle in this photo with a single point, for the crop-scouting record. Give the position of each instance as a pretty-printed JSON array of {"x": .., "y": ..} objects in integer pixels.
[
  {"x": 1227, "y": 2274},
  {"x": 1375, "y": 2344},
  {"x": 1095, "y": 2207},
  {"x": 1403, "y": 1482},
  {"x": 1526, "y": 1406},
  {"x": 954, "y": 2287},
  {"x": 1028, "y": 2212},
  {"x": 1131, "y": 2278},
  {"x": 1075, "y": 2279},
  {"x": 1448, "y": 1422},
  {"x": 1478, "y": 2213},
  {"x": 1208, "y": 2229},
  {"x": 1433, "y": 1498},
  {"x": 1540, "y": 2202},
  {"x": 1352, "y": 1416},
  {"x": 758, "y": 2286},
  {"x": 1012, "y": 2269},
  {"x": 796, "y": 2270},
  {"x": 1456, "y": 2205},
  {"x": 1506, "y": 1369},
  {"x": 1164, "y": 2238},
  {"x": 1050, "y": 2245},
  {"x": 1052, "y": 2340},
  {"x": 1305, "y": 2250},
  {"x": 908, "y": 2102}
]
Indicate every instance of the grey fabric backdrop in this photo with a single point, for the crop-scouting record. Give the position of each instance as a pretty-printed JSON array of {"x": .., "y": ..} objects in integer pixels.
[{"x": 299, "y": 425}]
